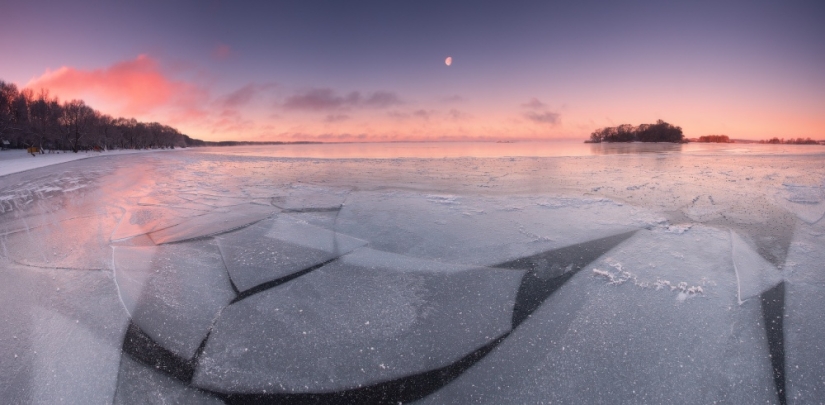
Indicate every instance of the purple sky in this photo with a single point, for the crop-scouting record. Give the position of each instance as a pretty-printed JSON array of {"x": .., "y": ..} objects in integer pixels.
[{"x": 376, "y": 70}]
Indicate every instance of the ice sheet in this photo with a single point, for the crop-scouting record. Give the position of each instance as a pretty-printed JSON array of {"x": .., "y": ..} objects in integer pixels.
[
  {"x": 806, "y": 201},
  {"x": 302, "y": 197},
  {"x": 669, "y": 297},
  {"x": 173, "y": 292},
  {"x": 295, "y": 231},
  {"x": 213, "y": 223},
  {"x": 634, "y": 338},
  {"x": 279, "y": 247},
  {"x": 140, "y": 220},
  {"x": 139, "y": 384},
  {"x": 805, "y": 342},
  {"x": 370, "y": 317},
  {"x": 61, "y": 335},
  {"x": 754, "y": 274},
  {"x": 79, "y": 243},
  {"x": 214, "y": 200},
  {"x": 481, "y": 230},
  {"x": 804, "y": 318}
]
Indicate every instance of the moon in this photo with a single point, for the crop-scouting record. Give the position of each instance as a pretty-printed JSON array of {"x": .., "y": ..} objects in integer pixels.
[{"x": 448, "y": 61}]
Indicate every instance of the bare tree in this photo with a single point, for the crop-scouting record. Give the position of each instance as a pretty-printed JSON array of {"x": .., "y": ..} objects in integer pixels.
[
  {"x": 8, "y": 92},
  {"x": 75, "y": 122},
  {"x": 44, "y": 120},
  {"x": 28, "y": 120}
]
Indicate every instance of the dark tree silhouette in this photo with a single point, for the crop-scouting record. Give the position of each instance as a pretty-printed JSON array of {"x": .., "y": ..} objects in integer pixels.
[
  {"x": 659, "y": 132},
  {"x": 714, "y": 138},
  {"x": 40, "y": 121}
]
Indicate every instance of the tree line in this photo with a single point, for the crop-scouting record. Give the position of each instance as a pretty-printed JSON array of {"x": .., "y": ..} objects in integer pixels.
[
  {"x": 659, "y": 132},
  {"x": 791, "y": 141},
  {"x": 714, "y": 139},
  {"x": 29, "y": 120}
]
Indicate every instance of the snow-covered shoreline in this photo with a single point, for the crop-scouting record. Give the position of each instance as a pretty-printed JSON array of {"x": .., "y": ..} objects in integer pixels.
[{"x": 18, "y": 160}]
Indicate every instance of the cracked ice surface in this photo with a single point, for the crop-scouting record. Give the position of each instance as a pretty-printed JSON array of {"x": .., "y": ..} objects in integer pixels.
[
  {"x": 173, "y": 292},
  {"x": 212, "y": 223},
  {"x": 639, "y": 335},
  {"x": 141, "y": 220},
  {"x": 239, "y": 255},
  {"x": 151, "y": 386},
  {"x": 482, "y": 231},
  {"x": 804, "y": 325},
  {"x": 61, "y": 335},
  {"x": 370, "y": 317},
  {"x": 279, "y": 247}
]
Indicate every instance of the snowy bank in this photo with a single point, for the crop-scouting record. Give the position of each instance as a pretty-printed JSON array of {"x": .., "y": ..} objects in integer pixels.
[{"x": 18, "y": 160}]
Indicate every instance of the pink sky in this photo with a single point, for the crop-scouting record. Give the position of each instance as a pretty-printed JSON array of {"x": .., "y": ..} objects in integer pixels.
[{"x": 293, "y": 72}]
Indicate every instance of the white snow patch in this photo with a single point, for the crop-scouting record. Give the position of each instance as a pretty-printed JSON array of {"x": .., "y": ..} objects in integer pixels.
[
  {"x": 619, "y": 276},
  {"x": 678, "y": 229},
  {"x": 15, "y": 161},
  {"x": 443, "y": 199}
]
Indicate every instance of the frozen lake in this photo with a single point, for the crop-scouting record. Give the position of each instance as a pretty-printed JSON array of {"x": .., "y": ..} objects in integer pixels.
[{"x": 431, "y": 273}]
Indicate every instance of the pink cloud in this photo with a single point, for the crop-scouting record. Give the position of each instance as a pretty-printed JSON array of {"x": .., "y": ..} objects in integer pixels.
[
  {"x": 535, "y": 104},
  {"x": 134, "y": 87},
  {"x": 245, "y": 95},
  {"x": 547, "y": 117},
  {"x": 326, "y": 99},
  {"x": 222, "y": 52}
]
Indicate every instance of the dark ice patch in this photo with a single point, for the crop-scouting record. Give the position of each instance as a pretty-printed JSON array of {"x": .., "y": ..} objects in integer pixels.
[
  {"x": 142, "y": 348},
  {"x": 547, "y": 271},
  {"x": 773, "y": 310},
  {"x": 401, "y": 390}
]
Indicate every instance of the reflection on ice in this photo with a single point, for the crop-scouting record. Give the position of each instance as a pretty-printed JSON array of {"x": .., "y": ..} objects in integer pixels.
[
  {"x": 213, "y": 223},
  {"x": 46, "y": 246},
  {"x": 142, "y": 220}
]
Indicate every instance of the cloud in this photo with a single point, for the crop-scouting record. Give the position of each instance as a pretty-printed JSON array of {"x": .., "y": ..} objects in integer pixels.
[
  {"x": 546, "y": 117},
  {"x": 382, "y": 99},
  {"x": 336, "y": 118},
  {"x": 132, "y": 87},
  {"x": 423, "y": 114},
  {"x": 240, "y": 97},
  {"x": 341, "y": 137},
  {"x": 458, "y": 115},
  {"x": 540, "y": 113},
  {"x": 245, "y": 94},
  {"x": 398, "y": 115},
  {"x": 229, "y": 113},
  {"x": 420, "y": 114},
  {"x": 455, "y": 98},
  {"x": 534, "y": 104},
  {"x": 325, "y": 137},
  {"x": 222, "y": 52},
  {"x": 326, "y": 99},
  {"x": 319, "y": 99}
]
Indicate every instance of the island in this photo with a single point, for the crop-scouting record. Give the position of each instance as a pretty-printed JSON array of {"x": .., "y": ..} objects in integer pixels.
[{"x": 659, "y": 132}]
